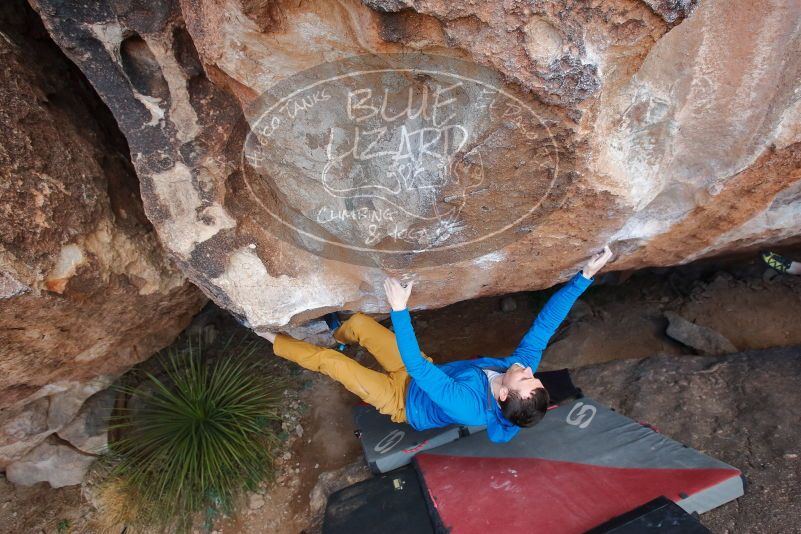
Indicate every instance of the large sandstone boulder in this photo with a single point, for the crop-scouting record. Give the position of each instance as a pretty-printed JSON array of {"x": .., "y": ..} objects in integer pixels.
[
  {"x": 86, "y": 291},
  {"x": 291, "y": 153}
]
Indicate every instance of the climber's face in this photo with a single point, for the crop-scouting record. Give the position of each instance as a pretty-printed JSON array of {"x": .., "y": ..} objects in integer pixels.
[{"x": 520, "y": 379}]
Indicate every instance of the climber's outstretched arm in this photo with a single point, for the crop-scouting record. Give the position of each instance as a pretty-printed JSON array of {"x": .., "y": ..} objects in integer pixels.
[{"x": 529, "y": 352}]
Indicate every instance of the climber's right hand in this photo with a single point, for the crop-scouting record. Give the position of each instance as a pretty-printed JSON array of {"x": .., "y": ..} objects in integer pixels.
[{"x": 597, "y": 262}]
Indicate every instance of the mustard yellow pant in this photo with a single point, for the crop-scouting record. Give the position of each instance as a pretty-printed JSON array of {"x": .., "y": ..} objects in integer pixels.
[{"x": 386, "y": 391}]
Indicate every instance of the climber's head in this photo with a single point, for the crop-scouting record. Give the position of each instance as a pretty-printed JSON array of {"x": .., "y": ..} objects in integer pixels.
[{"x": 523, "y": 398}]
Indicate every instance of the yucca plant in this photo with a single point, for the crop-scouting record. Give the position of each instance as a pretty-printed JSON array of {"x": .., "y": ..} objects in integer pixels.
[{"x": 194, "y": 436}]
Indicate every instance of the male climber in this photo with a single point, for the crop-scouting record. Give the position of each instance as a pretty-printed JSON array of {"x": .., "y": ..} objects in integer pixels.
[{"x": 500, "y": 393}]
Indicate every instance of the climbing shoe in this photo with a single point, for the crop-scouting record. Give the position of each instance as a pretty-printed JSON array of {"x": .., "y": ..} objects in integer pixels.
[
  {"x": 333, "y": 321},
  {"x": 777, "y": 261}
]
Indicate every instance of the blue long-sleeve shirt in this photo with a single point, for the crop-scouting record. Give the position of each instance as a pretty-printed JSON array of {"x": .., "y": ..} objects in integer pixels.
[{"x": 459, "y": 392}]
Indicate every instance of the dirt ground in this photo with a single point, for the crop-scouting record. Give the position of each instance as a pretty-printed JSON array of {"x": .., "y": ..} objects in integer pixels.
[{"x": 619, "y": 317}]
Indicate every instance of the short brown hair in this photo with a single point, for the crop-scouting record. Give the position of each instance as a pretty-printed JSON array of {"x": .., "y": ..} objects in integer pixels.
[{"x": 525, "y": 412}]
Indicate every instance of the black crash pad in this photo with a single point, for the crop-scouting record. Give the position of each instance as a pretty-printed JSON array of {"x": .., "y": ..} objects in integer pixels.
[
  {"x": 660, "y": 516},
  {"x": 392, "y": 503}
]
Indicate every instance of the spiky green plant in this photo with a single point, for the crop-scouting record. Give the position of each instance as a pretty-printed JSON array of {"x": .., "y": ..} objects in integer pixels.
[{"x": 195, "y": 436}]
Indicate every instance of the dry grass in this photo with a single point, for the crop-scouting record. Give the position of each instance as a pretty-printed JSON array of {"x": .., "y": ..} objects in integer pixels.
[{"x": 115, "y": 510}]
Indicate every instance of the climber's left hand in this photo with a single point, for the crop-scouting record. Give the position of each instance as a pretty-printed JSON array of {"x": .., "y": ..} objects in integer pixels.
[{"x": 397, "y": 293}]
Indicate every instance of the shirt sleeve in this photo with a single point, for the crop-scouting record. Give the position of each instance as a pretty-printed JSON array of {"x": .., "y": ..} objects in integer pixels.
[
  {"x": 529, "y": 351},
  {"x": 440, "y": 387}
]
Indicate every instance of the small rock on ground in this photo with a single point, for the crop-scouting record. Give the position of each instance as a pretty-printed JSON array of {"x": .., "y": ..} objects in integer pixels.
[
  {"x": 703, "y": 339},
  {"x": 255, "y": 501}
]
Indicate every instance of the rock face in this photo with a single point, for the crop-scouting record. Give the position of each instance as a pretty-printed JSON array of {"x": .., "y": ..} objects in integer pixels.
[
  {"x": 88, "y": 431},
  {"x": 86, "y": 291},
  {"x": 55, "y": 463},
  {"x": 292, "y": 153},
  {"x": 739, "y": 408}
]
